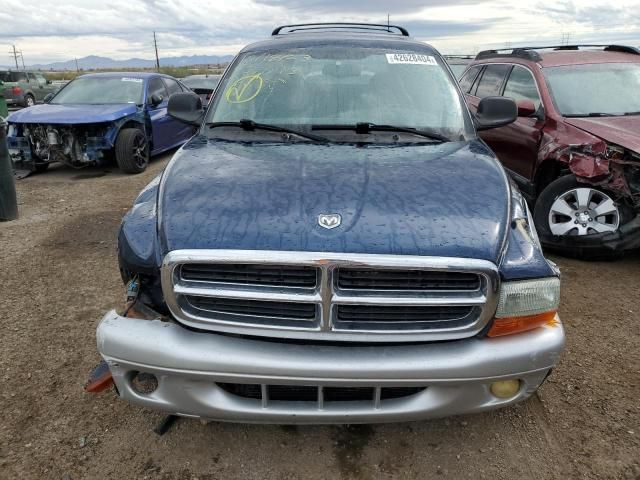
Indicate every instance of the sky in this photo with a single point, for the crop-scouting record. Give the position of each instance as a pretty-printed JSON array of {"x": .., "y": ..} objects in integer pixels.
[{"x": 59, "y": 30}]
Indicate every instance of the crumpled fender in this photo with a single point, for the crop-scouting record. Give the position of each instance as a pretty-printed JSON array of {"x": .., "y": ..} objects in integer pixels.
[{"x": 589, "y": 160}]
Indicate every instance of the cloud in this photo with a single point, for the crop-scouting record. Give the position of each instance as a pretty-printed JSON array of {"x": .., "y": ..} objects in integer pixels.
[
  {"x": 62, "y": 29},
  {"x": 432, "y": 29},
  {"x": 363, "y": 7}
]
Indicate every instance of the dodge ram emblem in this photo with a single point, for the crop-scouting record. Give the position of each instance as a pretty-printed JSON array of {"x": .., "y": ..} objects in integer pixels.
[{"x": 329, "y": 220}]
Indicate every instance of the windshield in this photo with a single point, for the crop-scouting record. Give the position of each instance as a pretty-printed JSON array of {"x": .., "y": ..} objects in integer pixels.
[
  {"x": 209, "y": 82},
  {"x": 605, "y": 88},
  {"x": 328, "y": 85},
  {"x": 101, "y": 91}
]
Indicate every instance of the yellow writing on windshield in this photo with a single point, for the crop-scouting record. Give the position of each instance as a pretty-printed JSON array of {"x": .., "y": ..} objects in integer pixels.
[{"x": 244, "y": 89}]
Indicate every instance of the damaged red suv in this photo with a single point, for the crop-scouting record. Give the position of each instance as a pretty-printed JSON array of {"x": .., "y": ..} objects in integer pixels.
[{"x": 575, "y": 148}]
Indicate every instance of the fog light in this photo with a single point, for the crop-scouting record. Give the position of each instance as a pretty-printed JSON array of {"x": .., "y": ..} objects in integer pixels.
[
  {"x": 144, "y": 383},
  {"x": 505, "y": 388}
]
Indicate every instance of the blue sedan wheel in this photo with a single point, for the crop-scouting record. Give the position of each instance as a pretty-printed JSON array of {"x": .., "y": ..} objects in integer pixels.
[{"x": 132, "y": 150}]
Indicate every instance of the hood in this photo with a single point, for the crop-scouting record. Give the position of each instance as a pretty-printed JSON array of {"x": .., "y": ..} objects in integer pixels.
[
  {"x": 623, "y": 131},
  {"x": 443, "y": 200},
  {"x": 72, "y": 114}
]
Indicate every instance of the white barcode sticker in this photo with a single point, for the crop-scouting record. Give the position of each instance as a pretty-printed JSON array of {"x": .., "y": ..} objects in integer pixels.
[
  {"x": 410, "y": 59},
  {"x": 131, "y": 79}
]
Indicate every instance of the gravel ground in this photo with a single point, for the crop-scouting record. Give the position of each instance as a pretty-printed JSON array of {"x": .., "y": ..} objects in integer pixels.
[{"x": 58, "y": 275}]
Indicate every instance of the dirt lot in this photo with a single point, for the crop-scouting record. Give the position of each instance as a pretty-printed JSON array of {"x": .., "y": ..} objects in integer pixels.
[{"x": 58, "y": 275}]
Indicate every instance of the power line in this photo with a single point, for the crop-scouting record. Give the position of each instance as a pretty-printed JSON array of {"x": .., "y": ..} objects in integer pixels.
[
  {"x": 155, "y": 45},
  {"x": 15, "y": 56}
]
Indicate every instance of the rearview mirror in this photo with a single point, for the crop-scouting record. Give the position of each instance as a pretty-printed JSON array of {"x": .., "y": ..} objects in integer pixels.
[
  {"x": 494, "y": 112},
  {"x": 526, "y": 108},
  {"x": 186, "y": 107}
]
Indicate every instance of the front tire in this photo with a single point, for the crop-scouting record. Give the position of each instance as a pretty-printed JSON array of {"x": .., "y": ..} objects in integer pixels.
[
  {"x": 568, "y": 212},
  {"x": 132, "y": 150},
  {"x": 41, "y": 166}
]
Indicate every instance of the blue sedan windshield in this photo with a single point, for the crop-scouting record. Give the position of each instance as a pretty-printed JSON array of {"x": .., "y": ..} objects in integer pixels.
[{"x": 101, "y": 91}]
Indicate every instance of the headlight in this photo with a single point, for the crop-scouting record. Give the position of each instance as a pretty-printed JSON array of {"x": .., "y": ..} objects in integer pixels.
[
  {"x": 525, "y": 305},
  {"x": 528, "y": 297}
]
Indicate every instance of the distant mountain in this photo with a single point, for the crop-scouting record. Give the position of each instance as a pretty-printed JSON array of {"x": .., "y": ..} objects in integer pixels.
[{"x": 95, "y": 62}]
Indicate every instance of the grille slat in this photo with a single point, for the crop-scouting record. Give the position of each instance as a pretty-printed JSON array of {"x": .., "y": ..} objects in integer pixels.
[
  {"x": 365, "y": 313},
  {"x": 250, "y": 274},
  {"x": 303, "y": 311},
  {"x": 420, "y": 280}
]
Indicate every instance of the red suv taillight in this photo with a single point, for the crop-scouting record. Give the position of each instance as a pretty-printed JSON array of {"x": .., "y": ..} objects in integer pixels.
[{"x": 16, "y": 90}]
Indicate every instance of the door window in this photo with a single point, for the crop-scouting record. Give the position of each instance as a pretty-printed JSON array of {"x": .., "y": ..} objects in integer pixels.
[
  {"x": 522, "y": 86},
  {"x": 492, "y": 80},
  {"x": 467, "y": 81},
  {"x": 41, "y": 80},
  {"x": 172, "y": 86},
  {"x": 156, "y": 87},
  {"x": 19, "y": 76}
]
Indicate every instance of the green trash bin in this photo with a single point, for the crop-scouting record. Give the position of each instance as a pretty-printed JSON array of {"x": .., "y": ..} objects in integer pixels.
[{"x": 4, "y": 111}]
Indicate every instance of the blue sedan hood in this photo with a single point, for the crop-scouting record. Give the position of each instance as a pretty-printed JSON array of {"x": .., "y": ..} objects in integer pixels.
[
  {"x": 450, "y": 199},
  {"x": 72, "y": 114}
]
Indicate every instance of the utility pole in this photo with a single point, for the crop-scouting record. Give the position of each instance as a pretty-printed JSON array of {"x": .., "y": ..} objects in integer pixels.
[
  {"x": 155, "y": 45},
  {"x": 15, "y": 56},
  {"x": 22, "y": 59},
  {"x": 77, "y": 67}
]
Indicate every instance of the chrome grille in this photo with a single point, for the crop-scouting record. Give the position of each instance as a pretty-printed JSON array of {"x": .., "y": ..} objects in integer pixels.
[{"x": 326, "y": 296}]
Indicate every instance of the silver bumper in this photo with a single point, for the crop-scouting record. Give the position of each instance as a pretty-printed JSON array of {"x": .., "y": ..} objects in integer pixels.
[{"x": 189, "y": 365}]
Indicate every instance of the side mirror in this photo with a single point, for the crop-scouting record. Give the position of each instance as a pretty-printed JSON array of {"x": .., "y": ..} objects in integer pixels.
[
  {"x": 47, "y": 97},
  {"x": 186, "y": 107},
  {"x": 526, "y": 108},
  {"x": 49, "y": 82},
  {"x": 155, "y": 100},
  {"x": 494, "y": 112}
]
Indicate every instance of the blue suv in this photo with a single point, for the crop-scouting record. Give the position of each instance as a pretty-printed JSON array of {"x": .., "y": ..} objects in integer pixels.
[{"x": 334, "y": 245}]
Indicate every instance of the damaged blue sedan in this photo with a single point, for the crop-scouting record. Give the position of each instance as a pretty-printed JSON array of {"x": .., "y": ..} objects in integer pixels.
[{"x": 97, "y": 118}]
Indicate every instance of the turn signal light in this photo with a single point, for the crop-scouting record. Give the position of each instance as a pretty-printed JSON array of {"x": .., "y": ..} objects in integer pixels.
[
  {"x": 16, "y": 90},
  {"x": 509, "y": 325}
]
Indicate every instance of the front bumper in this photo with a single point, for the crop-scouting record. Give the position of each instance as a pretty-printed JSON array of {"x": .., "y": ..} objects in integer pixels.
[{"x": 190, "y": 365}]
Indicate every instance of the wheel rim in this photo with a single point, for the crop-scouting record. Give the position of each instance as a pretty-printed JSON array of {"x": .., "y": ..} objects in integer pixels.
[
  {"x": 30, "y": 102},
  {"x": 140, "y": 150},
  {"x": 583, "y": 211}
]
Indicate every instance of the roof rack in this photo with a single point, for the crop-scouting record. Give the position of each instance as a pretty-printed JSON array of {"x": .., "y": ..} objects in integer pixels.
[
  {"x": 530, "y": 53},
  {"x": 392, "y": 29}
]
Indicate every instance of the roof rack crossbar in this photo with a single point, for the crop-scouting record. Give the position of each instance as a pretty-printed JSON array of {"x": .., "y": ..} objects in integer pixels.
[
  {"x": 530, "y": 53},
  {"x": 377, "y": 27}
]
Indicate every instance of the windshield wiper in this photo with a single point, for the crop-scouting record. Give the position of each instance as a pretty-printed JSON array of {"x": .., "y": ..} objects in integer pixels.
[
  {"x": 250, "y": 125},
  {"x": 591, "y": 114},
  {"x": 363, "y": 128}
]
